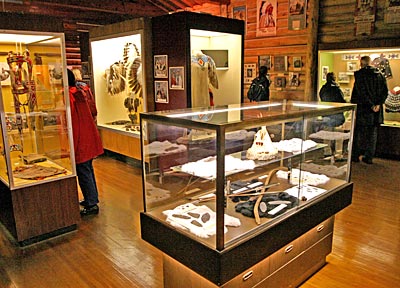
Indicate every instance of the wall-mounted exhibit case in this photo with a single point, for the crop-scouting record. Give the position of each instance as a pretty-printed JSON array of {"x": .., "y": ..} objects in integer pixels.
[
  {"x": 244, "y": 188},
  {"x": 38, "y": 194},
  {"x": 345, "y": 62},
  {"x": 120, "y": 56},
  {"x": 184, "y": 39}
]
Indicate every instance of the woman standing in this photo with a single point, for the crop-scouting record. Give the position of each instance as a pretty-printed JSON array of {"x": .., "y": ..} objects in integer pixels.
[{"x": 87, "y": 144}]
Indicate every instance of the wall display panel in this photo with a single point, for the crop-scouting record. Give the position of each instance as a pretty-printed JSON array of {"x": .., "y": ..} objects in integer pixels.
[{"x": 223, "y": 178}]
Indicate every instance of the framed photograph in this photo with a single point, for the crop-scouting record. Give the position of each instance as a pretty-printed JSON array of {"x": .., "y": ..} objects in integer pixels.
[
  {"x": 249, "y": 72},
  {"x": 176, "y": 78},
  {"x": 239, "y": 13},
  {"x": 266, "y": 18},
  {"x": 280, "y": 63},
  {"x": 343, "y": 77},
  {"x": 160, "y": 66},
  {"x": 265, "y": 61},
  {"x": 161, "y": 91},
  {"x": 85, "y": 70},
  {"x": 351, "y": 66},
  {"x": 325, "y": 70},
  {"x": 294, "y": 79},
  {"x": 297, "y": 64},
  {"x": 280, "y": 81}
]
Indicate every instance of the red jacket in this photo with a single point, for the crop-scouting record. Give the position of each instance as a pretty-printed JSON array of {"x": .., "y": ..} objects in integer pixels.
[{"x": 87, "y": 142}]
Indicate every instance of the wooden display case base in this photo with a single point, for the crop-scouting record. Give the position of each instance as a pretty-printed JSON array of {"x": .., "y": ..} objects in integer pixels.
[
  {"x": 128, "y": 145},
  {"x": 38, "y": 212},
  {"x": 288, "y": 267}
]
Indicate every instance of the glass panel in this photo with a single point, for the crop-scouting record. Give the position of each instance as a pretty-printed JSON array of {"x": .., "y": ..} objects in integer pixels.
[
  {"x": 271, "y": 154},
  {"x": 118, "y": 82},
  {"x": 34, "y": 109}
]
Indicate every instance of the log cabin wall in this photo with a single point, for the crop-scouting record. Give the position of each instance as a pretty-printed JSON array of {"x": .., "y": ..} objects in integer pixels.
[{"x": 292, "y": 44}]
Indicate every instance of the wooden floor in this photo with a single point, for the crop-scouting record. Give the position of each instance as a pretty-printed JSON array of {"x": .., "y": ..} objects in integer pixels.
[{"x": 106, "y": 250}]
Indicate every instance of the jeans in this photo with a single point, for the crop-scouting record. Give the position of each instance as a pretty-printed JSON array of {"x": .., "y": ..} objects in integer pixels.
[
  {"x": 364, "y": 142},
  {"x": 87, "y": 182}
]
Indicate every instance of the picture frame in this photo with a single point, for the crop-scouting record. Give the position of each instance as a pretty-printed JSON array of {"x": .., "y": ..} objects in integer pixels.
[
  {"x": 297, "y": 63},
  {"x": 176, "y": 78},
  {"x": 351, "y": 66},
  {"x": 250, "y": 72},
  {"x": 160, "y": 66},
  {"x": 161, "y": 91},
  {"x": 280, "y": 63},
  {"x": 343, "y": 77},
  {"x": 239, "y": 13},
  {"x": 324, "y": 72},
  {"x": 294, "y": 79},
  {"x": 265, "y": 60},
  {"x": 85, "y": 69},
  {"x": 280, "y": 82}
]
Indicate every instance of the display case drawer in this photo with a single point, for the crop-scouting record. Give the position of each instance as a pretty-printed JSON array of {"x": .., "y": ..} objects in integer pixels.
[
  {"x": 286, "y": 254},
  {"x": 251, "y": 276},
  {"x": 300, "y": 268},
  {"x": 318, "y": 232}
]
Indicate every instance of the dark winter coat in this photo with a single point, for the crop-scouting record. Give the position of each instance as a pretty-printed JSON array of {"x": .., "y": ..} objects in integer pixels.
[
  {"x": 330, "y": 92},
  {"x": 87, "y": 142},
  {"x": 369, "y": 89}
]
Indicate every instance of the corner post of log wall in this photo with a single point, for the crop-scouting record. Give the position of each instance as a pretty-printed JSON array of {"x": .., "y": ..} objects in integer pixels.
[{"x": 311, "y": 93}]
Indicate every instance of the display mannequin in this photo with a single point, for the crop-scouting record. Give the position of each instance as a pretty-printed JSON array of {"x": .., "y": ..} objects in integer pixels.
[{"x": 204, "y": 72}]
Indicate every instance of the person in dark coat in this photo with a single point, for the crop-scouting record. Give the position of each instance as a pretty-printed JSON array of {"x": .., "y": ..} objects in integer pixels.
[
  {"x": 369, "y": 93},
  {"x": 87, "y": 144},
  {"x": 330, "y": 92}
]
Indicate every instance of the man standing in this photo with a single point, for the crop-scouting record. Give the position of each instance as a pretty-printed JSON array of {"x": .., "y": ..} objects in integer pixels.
[{"x": 369, "y": 93}]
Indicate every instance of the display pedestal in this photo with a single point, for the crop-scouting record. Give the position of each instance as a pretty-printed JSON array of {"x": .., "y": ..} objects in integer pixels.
[
  {"x": 287, "y": 267},
  {"x": 128, "y": 145},
  {"x": 38, "y": 212},
  {"x": 387, "y": 145}
]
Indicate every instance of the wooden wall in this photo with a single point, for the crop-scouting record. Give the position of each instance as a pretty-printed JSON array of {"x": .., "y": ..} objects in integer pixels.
[
  {"x": 286, "y": 42},
  {"x": 336, "y": 27}
]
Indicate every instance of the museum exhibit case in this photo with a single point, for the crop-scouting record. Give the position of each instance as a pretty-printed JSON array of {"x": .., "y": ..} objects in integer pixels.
[
  {"x": 198, "y": 60},
  {"x": 345, "y": 62},
  {"x": 120, "y": 59},
  {"x": 243, "y": 195},
  {"x": 38, "y": 196}
]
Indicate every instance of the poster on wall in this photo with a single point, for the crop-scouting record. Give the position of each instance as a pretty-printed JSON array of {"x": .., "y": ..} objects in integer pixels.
[
  {"x": 250, "y": 72},
  {"x": 297, "y": 14},
  {"x": 280, "y": 63},
  {"x": 325, "y": 70},
  {"x": 239, "y": 13},
  {"x": 266, "y": 17},
  {"x": 161, "y": 91},
  {"x": 176, "y": 78},
  {"x": 392, "y": 13},
  {"x": 265, "y": 60},
  {"x": 364, "y": 17},
  {"x": 160, "y": 66}
]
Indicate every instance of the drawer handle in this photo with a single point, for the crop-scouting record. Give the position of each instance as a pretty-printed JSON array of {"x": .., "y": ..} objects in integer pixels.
[
  {"x": 288, "y": 249},
  {"x": 247, "y": 276},
  {"x": 320, "y": 227}
]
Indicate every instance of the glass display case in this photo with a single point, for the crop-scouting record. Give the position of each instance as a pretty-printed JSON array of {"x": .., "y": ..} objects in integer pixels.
[
  {"x": 217, "y": 179},
  {"x": 36, "y": 137},
  {"x": 120, "y": 55}
]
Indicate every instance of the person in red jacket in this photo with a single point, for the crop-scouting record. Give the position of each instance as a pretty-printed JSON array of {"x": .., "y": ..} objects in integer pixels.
[{"x": 87, "y": 143}]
